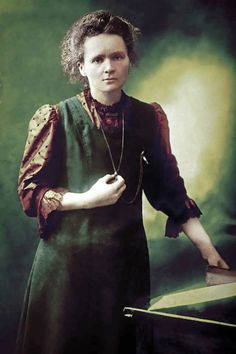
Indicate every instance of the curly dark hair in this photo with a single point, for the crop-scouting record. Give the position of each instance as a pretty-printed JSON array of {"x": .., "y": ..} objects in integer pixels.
[{"x": 90, "y": 25}]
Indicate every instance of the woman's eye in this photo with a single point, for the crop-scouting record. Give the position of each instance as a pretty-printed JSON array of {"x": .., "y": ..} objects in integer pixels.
[
  {"x": 97, "y": 60},
  {"x": 118, "y": 57}
]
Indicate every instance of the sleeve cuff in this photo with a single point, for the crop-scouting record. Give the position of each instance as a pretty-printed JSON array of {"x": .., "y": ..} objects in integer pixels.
[
  {"x": 174, "y": 226},
  {"x": 48, "y": 203}
]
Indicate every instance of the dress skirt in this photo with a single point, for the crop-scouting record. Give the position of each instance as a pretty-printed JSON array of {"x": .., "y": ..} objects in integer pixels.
[{"x": 80, "y": 282}]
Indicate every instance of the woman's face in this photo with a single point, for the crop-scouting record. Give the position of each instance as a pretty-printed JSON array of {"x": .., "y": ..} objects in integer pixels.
[{"x": 106, "y": 64}]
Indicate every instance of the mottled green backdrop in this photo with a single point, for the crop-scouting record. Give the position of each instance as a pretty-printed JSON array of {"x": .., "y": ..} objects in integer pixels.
[{"x": 187, "y": 63}]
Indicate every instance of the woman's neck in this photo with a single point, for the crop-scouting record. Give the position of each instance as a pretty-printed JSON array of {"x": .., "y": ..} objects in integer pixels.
[{"x": 106, "y": 98}]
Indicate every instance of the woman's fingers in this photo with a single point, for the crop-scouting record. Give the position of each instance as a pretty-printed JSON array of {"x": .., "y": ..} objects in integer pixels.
[
  {"x": 107, "y": 190},
  {"x": 216, "y": 260},
  {"x": 117, "y": 184},
  {"x": 122, "y": 189},
  {"x": 117, "y": 180},
  {"x": 222, "y": 264},
  {"x": 108, "y": 178}
]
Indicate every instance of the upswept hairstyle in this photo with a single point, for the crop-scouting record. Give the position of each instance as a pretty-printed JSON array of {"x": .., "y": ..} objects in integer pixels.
[{"x": 90, "y": 25}]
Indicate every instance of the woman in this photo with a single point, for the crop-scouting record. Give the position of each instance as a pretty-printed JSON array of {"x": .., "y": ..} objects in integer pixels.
[{"x": 85, "y": 164}]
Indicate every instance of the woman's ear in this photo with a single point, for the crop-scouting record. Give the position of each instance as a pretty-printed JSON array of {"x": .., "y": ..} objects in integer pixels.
[{"x": 82, "y": 70}]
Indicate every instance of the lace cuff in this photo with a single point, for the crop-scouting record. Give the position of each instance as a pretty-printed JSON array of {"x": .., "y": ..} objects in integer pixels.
[
  {"x": 174, "y": 226},
  {"x": 49, "y": 204}
]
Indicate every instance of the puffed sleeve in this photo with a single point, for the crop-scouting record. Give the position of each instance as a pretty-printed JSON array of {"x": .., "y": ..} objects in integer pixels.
[
  {"x": 38, "y": 188},
  {"x": 162, "y": 183}
]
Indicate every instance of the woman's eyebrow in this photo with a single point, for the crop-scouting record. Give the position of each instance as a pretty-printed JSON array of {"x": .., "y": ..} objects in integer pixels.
[
  {"x": 117, "y": 52},
  {"x": 95, "y": 56},
  {"x": 120, "y": 52}
]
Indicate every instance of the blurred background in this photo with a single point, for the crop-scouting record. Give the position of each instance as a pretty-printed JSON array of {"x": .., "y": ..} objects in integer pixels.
[{"x": 187, "y": 64}]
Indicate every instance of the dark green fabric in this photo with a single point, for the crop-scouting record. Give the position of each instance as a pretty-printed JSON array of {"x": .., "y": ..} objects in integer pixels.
[{"x": 95, "y": 261}]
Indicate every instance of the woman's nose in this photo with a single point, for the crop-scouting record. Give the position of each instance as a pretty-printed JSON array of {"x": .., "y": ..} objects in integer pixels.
[{"x": 108, "y": 67}]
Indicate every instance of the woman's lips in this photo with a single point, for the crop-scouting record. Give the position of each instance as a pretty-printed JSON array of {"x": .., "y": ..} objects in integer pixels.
[{"x": 110, "y": 79}]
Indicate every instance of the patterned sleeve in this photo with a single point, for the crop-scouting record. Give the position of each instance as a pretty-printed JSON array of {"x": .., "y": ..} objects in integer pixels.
[
  {"x": 162, "y": 183},
  {"x": 38, "y": 191}
]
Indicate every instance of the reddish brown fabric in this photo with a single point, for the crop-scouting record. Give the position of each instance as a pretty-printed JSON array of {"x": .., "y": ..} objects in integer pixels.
[
  {"x": 34, "y": 181},
  {"x": 174, "y": 226},
  {"x": 163, "y": 124}
]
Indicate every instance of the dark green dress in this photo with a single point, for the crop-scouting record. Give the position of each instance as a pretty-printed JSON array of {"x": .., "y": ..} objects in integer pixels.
[{"x": 92, "y": 263}]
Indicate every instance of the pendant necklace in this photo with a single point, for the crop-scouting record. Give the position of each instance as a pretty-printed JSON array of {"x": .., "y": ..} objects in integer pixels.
[{"x": 116, "y": 169}]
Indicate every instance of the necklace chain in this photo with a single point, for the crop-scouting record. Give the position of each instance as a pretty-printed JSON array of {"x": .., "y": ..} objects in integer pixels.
[
  {"x": 131, "y": 201},
  {"x": 116, "y": 170}
]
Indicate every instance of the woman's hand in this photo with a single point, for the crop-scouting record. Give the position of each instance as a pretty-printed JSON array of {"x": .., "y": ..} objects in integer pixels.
[
  {"x": 213, "y": 258},
  {"x": 197, "y": 234},
  {"x": 106, "y": 191}
]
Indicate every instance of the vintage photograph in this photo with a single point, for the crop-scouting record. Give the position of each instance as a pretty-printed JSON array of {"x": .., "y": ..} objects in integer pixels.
[{"x": 118, "y": 215}]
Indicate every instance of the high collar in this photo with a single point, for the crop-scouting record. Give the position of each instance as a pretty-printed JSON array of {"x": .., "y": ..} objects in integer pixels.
[{"x": 102, "y": 109}]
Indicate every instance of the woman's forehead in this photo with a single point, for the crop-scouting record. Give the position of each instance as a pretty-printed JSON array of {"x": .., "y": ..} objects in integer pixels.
[{"x": 104, "y": 44}]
